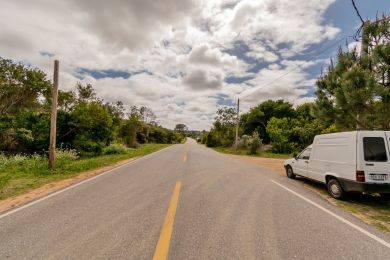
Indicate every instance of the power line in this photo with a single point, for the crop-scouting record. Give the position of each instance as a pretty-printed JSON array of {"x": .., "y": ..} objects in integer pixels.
[
  {"x": 293, "y": 69},
  {"x": 357, "y": 11},
  {"x": 252, "y": 91}
]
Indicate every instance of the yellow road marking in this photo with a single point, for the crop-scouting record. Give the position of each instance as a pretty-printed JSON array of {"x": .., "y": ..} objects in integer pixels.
[
  {"x": 162, "y": 248},
  {"x": 185, "y": 155}
]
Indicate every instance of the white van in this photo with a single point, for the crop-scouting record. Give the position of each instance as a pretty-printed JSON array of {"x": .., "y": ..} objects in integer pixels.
[{"x": 345, "y": 162}]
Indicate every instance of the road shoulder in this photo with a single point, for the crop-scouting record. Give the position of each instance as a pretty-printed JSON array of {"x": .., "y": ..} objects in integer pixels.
[
  {"x": 370, "y": 209},
  {"x": 49, "y": 188}
]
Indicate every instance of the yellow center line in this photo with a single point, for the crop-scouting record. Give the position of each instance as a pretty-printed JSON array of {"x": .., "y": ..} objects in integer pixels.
[
  {"x": 185, "y": 155},
  {"x": 162, "y": 248}
]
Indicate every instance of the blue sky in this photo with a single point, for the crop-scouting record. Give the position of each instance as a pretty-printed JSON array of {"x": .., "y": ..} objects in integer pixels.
[{"x": 187, "y": 60}]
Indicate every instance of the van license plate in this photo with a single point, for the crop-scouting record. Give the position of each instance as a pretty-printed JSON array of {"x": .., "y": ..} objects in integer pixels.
[{"x": 378, "y": 177}]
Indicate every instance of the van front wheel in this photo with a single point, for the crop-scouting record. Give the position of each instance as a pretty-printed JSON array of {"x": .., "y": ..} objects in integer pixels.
[
  {"x": 289, "y": 172},
  {"x": 335, "y": 189}
]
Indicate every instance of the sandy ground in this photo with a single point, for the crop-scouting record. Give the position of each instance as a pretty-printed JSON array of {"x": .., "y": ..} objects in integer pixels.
[
  {"x": 270, "y": 163},
  {"x": 46, "y": 189}
]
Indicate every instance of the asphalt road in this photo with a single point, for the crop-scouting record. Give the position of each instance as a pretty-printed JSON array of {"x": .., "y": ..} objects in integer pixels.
[{"x": 225, "y": 209}]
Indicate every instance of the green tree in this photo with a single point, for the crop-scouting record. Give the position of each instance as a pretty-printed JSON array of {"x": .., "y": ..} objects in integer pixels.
[
  {"x": 92, "y": 125},
  {"x": 354, "y": 92},
  {"x": 21, "y": 87},
  {"x": 85, "y": 92},
  {"x": 181, "y": 128},
  {"x": 281, "y": 133},
  {"x": 23, "y": 95},
  {"x": 257, "y": 118}
]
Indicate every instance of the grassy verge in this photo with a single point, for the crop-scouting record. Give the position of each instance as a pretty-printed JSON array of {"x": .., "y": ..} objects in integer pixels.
[
  {"x": 264, "y": 154},
  {"x": 21, "y": 174},
  {"x": 369, "y": 208}
]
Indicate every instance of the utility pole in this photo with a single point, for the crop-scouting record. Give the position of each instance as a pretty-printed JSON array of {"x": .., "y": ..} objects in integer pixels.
[
  {"x": 364, "y": 55},
  {"x": 237, "y": 122},
  {"x": 53, "y": 118}
]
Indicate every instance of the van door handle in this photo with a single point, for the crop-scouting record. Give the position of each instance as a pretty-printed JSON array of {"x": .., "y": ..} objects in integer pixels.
[
  {"x": 306, "y": 161},
  {"x": 369, "y": 164}
]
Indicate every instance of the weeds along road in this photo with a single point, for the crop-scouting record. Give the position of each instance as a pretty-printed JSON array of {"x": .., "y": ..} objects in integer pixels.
[{"x": 187, "y": 202}]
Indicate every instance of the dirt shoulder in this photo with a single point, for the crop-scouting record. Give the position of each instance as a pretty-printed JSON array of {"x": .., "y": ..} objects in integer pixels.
[
  {"x": 371, "y": 209},
  {"x": 46, "y": 189},
  {"x": 270, "y": 163}
]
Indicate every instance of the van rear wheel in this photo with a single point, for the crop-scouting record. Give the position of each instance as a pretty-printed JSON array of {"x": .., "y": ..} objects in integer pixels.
[
  {"x": 335, "y": 189},
  {"x": 289, "y": 172}
]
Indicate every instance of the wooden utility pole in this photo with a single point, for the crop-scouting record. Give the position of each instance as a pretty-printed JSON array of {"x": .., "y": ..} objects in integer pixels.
[
  {"x": 364, "y": 55},
  {"x": 237, "y": 122},
  {"x": 53, "y": 118}
]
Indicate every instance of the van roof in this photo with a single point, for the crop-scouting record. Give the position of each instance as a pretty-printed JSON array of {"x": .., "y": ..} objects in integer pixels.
[{"x": 351, "y": 133}]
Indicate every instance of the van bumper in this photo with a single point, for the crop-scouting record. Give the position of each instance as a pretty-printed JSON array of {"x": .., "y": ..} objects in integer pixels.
[{"x": 349, "y": 185}]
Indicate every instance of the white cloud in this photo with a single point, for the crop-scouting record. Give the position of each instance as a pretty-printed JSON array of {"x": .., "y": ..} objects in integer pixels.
[
  {"x": 183, "y": 49},
  {"x": 200, "y": 80},
  {"x": 259, "y": 52},
  {"x": 288, "y": 82},
  {"x": 204, "y": 55}
]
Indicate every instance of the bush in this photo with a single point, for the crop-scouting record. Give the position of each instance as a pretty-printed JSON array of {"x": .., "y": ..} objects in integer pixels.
[
  {"x": 89, "y": 148},
  {"x": 243, "y": 141},
  {"x": 115, "y": 149},
  {"x": 213, "y": 139},
  {"x": 203, "y": 139},
  {"x": 34, "y": 161},
  {"x": 254, "y": 143},
  {"x": 18, "y": 159},
  {"x": 66, "y": 155}
]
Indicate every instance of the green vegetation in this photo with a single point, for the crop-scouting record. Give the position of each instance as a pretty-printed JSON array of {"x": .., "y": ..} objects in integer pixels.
[
  {"x": 354, "y": 93},
  {"x": 265, "y": 154},
  {"x": 21, "y": 173},
  {"x": 372, "y": 209},
  {"x": 85, "y": 122},
  {"x": 90, "y": 132}
]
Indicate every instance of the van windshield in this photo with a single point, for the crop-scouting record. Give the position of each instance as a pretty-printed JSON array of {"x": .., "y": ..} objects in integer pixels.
[{"x": 374, "y": 149}]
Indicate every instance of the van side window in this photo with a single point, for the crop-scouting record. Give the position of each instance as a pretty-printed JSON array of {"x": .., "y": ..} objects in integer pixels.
[
  {"x": 374, "y": 149},
  {"x": 305, "y": 155}
]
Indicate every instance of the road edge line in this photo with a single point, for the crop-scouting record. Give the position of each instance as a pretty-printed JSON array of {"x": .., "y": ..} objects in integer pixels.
[
  {"x": 365, "y": 232},
  {"x": 162, "y": 247},
  {"x": 29, "y": 204}
]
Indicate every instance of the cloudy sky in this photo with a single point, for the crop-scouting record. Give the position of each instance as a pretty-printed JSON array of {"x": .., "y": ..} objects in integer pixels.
[{"x": 183, "y": 58}]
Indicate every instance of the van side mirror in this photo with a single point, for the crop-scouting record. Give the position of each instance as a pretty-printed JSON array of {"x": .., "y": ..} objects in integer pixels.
[{"x": 295, "y": 156}]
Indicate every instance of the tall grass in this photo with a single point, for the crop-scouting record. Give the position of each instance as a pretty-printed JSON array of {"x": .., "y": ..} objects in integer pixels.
[
  {"x": 21, "y": 173},
  {"x": 244, "y": 151}
]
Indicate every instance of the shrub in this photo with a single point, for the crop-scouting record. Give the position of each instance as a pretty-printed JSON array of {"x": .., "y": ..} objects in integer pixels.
[
  {"x": 203, "y": 139},
  {"x": 213, "y": 139},
  {"x": 115, "y": 149},
  {"x": 243, "y": 141},
  {"x": 17, "y": 159},
  {"x": 66, "y": 155},
  {"x": 22, "y": 160},
  {"x": 89, "y": 148},
  {"x": 254, "y": 143}
]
